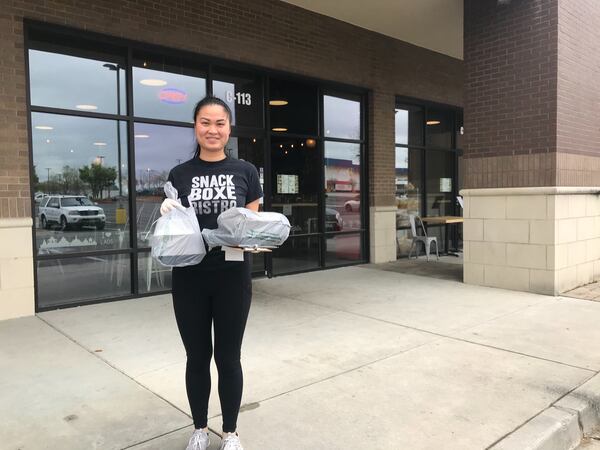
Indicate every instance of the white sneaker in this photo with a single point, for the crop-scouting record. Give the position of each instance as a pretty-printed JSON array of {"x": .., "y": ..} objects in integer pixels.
[
  {"x": 198, "y": 441},
  {"x": 231, "y": 442}
]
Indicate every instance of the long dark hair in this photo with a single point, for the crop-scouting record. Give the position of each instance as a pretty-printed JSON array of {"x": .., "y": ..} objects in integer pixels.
[{"x": 210, "y": 100}]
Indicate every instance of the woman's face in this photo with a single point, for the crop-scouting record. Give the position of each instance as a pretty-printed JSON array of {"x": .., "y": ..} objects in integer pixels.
[{"x": 212, "y": 128}]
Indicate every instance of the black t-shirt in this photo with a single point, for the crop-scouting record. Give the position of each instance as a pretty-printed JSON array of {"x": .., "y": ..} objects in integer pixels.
[{"x": 213, "y": 187}]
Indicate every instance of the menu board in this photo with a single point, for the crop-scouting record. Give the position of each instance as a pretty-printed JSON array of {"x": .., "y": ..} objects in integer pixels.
[{"x": 287, "y": 184}]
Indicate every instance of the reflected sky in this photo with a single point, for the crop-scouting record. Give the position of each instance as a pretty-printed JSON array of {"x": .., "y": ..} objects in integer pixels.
[
  {"x": 343, "y": 151},
  {"x": 341, "y": 118},
  {"x": 401, "y": 126},
  {"x": 401, "y": 158},
  {"x": 151, "y": 101},
  {"x": 164, "y": 148},
  {"x": 74, "y": 141},
  {"x": 63, "y": 81}
]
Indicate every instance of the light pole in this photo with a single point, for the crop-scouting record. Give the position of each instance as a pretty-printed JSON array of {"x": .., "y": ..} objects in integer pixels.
[
  {"x": 116, "y": 68},
  {"x": 48, "y": 169}
]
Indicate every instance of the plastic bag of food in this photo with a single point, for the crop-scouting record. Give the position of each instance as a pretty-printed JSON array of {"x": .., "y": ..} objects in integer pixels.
[
  {"x": 241, "y": 227},
  {"x": 177, "y": 240}
]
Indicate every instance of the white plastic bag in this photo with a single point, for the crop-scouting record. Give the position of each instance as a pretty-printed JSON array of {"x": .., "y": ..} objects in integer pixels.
[
  {"x": 242, "y": 227},
  {"x": 177, "y": 240}
]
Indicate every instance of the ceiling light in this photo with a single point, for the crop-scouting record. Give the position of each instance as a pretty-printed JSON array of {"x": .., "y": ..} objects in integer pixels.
[
  {"x": 142, "y": 136},
  {"x": 71, "y": 150},
  {"x": 433, "y": 122},
  {"x": 86, "y": 107},
  {"x": 100, "y": 144},
  {"x": 47, "y": 141},
  {"x": 279, "y": 129},
  {"x": 311, "y": 143},
  {"x": 254, "y": 140},
  {"x": 44, "y": 127},
  {"x": 153, "y": 82},
  {"x": 278, "y": 102}
]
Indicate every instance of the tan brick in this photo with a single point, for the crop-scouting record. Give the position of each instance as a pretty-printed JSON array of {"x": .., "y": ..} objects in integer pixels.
[
  {"x": 495, "y": 230},
  {"x": 526, "y": 255},
  {"x": 526, "y": 207}
]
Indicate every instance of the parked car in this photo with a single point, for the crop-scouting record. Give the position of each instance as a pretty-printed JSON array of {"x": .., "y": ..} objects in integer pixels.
[
  {"x": 70, "y": 211},
  {"x": 333, "y": 220},
  {"x": 39, "y": 196},
  {"x": 353, "y": 204}
]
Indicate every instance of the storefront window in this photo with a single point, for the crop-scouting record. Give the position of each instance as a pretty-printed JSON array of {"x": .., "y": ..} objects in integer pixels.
[
  {"x": 439, "y": 128},
  {"x": 341, "y": 118},
  {"x": 295, "y": 182},
  {"x": 342, "y": 186},
  {"x": 243, "y": 93},
  {"x": 91, "y": 106},
  {"x": 80, "y": 184},
  {"x": 343, "y": 249},
  {"x": 409, "y": 125},
  {"x": 71, "y": 82},
  {"x": 164, "y": 89},
  {"x": 293, "y": 107},
  {"x": 158, "y": 148},
  {"x": 70, "y": 280},
  {"x": 408, "y": 185}
]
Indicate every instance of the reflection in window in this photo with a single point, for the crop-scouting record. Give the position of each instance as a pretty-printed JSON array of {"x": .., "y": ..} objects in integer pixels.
[
  {"x": 293, "y": 107},
  {"x": 152, "y": 276},
  {"x": 343, "y": 249},
  {"x": 342, "y": 186},
  {"x": 295, "y": 184},
  {"x": 72, "y": 280},
  {"x": 165, "y": 95},
  {"x": 439, "y": 129},
  {"x": 80, "y": 183},
  {"x": 342, "y": 118},
  {"x": 408, "y": 185},
  {"x": 297, "y": 254},
  {"x": 158, "y": 148},
  {"x": 243, "y": 94},
  {"x": 251, "y": 150},
  {"x": 440, "y": 182},
  {"x": 70, "y": 82},
  {"x": 409, "y": 125}
]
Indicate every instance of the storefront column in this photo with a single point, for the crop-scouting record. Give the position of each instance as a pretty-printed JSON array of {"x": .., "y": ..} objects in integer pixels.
[
  {"x": 531, "y": 160},
  {"x": 16, "y": 269},
  {"x": 541, "y": 239},
  {"x": 382, "y": 211}
]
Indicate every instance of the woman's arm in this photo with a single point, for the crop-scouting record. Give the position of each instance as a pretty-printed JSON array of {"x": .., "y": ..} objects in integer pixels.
[{"x": 253, "y": 206}]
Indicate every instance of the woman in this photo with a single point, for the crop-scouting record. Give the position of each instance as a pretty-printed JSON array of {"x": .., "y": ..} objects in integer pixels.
[{"x": 215, "y": 292}]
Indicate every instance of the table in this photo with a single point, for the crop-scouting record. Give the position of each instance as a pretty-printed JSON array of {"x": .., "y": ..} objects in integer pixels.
[{"x": 446, "y": 221}]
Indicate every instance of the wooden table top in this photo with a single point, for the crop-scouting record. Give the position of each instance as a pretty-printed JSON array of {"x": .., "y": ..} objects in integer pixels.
[{"x": 443, "y": 219}]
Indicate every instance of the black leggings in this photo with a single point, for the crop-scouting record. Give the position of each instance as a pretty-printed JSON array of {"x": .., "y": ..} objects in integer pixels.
[{"x": 221, "y": 298}]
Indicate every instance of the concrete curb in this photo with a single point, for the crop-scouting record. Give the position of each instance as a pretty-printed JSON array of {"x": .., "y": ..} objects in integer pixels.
[{"x": 561, "y": 426}]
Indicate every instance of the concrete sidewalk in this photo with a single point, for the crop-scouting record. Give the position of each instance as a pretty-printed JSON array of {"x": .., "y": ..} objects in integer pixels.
[{"x": 351, "y": 358}]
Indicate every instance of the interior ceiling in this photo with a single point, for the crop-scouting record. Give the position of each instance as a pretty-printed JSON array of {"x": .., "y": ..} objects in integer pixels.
[{"x": 433, "y": 24}]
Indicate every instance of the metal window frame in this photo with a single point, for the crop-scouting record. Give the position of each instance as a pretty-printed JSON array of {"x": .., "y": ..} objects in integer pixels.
[{"x": 130, "y": 46}]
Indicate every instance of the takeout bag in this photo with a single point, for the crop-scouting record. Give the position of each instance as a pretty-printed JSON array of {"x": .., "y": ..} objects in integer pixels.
[
  {"x": 242, "y": 227},
  {"x": 177, "y": 240}
]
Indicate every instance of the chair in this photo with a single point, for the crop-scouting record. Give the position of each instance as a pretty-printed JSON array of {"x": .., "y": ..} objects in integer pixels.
[{"x": 416, "y": 238}]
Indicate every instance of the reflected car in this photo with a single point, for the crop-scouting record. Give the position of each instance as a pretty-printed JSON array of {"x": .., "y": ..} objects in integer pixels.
[
  {"x": 353, "y": 204},
  {"x": 333, "y": 220},
  {"x": 71, "y": 211},
  {"x": 39, "y": 196}
]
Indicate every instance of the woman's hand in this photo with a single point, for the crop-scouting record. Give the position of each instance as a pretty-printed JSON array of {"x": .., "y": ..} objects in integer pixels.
[{"x": 168, "y": 204}]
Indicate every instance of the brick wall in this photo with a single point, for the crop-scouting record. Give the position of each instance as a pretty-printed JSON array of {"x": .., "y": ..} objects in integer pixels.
[
  {"x": 578, "y": 141},
  {"x": 267, "y": 33},
  {"x": 510, "y": 93}
]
